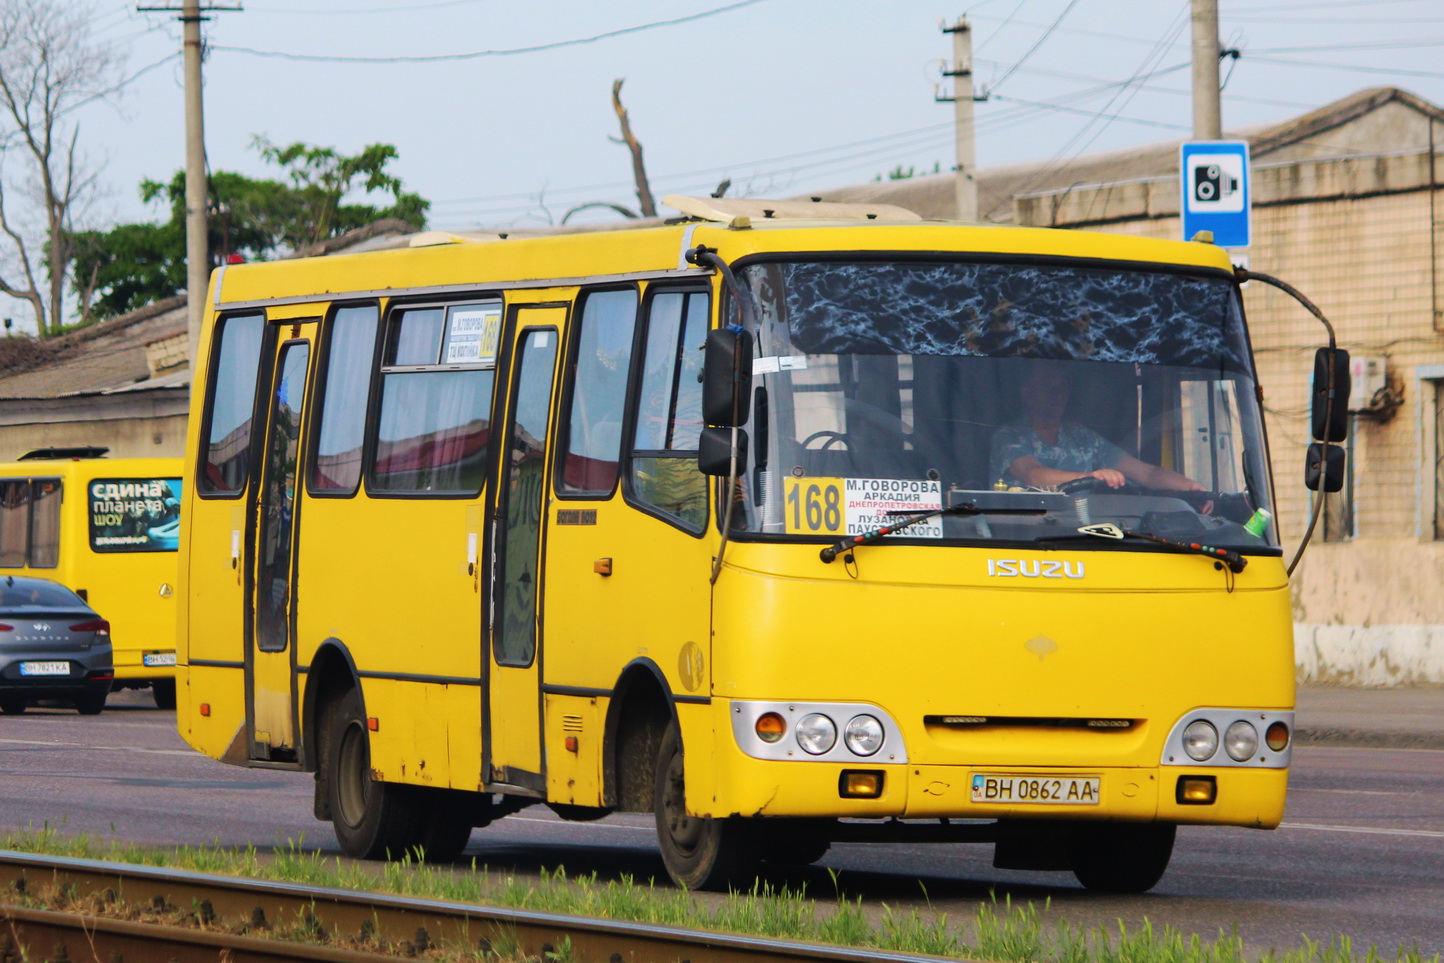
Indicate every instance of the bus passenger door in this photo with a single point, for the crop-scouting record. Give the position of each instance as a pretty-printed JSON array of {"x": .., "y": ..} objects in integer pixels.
[
  {"x": 512, "y": 742},
  {"x": 270, "y": 652}
]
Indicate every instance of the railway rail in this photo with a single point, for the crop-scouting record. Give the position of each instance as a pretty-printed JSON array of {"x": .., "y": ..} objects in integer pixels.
[{"x": 331, "y": 915}]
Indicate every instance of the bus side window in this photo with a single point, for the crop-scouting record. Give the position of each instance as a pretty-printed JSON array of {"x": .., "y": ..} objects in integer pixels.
[
  {"x": 14, "y": 522},
  {"x": 45, "y": 523},
  {"x": 602, "y": 359},
  {"x": 664, "y": 474},
  {"x": 436, "y": 384},
  {"x": 346, "y": 371},
  {"x": 226, "y": 460}
]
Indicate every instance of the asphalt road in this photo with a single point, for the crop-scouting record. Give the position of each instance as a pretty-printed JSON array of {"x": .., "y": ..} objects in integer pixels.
[{"x": 1361, "y": 851}]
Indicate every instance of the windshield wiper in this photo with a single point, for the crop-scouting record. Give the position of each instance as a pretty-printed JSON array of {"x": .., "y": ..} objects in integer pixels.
[
  {"x": 1235, "y": 562},
  {"x": 913, "y": 518}
]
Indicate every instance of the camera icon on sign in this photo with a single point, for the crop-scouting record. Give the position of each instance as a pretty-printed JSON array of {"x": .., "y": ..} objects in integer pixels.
[{"x": 1212, "y": 183}]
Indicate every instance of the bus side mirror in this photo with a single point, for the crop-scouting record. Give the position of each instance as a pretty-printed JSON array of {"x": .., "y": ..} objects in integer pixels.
[
  {"x": 714, "y": 451},
  {"x": 1321, "y": 474},
  {"x": 726, "y": 378},
  {"x": 1334, "y": 421}
]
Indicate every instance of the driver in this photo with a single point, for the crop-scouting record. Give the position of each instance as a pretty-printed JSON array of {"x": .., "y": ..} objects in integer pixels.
[{"x": 1041, "y": 450}]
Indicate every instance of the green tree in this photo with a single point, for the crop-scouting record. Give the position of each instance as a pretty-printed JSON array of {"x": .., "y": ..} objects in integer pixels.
[{"x": 131, "y": 265}]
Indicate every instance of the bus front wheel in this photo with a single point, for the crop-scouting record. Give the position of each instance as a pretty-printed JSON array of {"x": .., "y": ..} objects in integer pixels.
[
  {"x": 1122, "y": 857},
  {"x": 699, "y": 852},
  {"x": 372, "y": 819}
]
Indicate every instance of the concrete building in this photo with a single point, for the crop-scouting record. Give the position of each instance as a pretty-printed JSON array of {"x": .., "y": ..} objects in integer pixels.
[{"x": 1347, "y": 207}]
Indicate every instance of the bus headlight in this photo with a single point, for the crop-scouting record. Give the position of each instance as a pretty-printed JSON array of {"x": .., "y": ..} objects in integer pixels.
[
  {"x": 1200, "y": 740},
  {"x": 816, "y": 733},
  {"x": 863, "y": 735},
  {"x": 1241, "y": 741}
]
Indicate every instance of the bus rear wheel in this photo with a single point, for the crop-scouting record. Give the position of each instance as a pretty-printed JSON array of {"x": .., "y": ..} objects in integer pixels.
[
  {"x": 1122, "y": 857},
  {"x": 698, "y": 851},
  {"x": 163, "y": 692},
  {"x": 372, "y": 819}
]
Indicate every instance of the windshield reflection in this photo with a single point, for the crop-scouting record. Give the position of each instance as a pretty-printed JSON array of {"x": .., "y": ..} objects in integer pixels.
[{"x": 881, "y": 387}]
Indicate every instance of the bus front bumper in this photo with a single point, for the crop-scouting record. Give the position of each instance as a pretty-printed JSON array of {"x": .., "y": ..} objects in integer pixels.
[{"x": 747, "y": 786}]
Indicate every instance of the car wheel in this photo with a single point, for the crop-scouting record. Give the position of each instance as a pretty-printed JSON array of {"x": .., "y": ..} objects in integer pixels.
[
  {"x": 163, "y": 692},
  {"x": 91, "y": 704},
  {"x": 698, "y": 851},
  {"x": 372, "y": 820},
  {"x": 12, "y": 705},
  {"x": 1122, "y": 857}
]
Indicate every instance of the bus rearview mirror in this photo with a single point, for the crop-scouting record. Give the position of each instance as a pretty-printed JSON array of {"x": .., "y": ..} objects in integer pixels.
[
  {"x": 714, "y": 451},
  {"x": 726, "y": 378},
  {"x": 1324, "y": 473},
  {"x": 1334, "y": 420}
]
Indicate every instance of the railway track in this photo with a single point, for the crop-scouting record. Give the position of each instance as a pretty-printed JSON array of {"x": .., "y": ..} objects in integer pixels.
[{"x": 242, "y": 920}]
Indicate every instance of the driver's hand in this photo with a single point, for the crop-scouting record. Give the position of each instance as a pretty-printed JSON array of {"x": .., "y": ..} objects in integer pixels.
[
  {"x": 1193, "y": 486},
  {"x": 1111, "y": 477}
]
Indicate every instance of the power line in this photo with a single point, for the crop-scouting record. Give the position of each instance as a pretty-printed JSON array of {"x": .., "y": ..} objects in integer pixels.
[
  {"x": 1366, "y": 45},
  {"x": 1090, "y": 113},
  {"x": 365, "y": 10},
  {"x": 1240, "y": 98},
  {"x": 914, "y": 138},
  {"x": 1036, "y": 44},
  {"x": 1357, "y": 68},
  {"x": 1143, "y": 73},
  {"x": 477, "y": 54}
]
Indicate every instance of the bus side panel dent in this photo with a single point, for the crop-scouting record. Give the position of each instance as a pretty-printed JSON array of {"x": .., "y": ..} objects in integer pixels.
[
  {"x": 221, "y": 734},
  {"x": 408, "y": 744}
]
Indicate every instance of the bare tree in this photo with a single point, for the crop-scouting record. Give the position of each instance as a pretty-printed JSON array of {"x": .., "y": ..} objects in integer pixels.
[
  {"x": 644, "y": 190},
  {"x": 48, "y": 67}
]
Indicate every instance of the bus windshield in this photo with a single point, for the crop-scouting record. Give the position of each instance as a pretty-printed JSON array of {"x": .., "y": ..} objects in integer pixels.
[{"x": 1119, "y": 394}]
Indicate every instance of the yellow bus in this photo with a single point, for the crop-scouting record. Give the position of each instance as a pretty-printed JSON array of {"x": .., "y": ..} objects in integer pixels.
[
  {"x": 480, "y": 524},
  {"x": 109, "y": 529}
]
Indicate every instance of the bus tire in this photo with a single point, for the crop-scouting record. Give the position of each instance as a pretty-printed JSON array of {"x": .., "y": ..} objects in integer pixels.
[
  {"x": 1122, "y": 857},
  {"x": 372, "y": 819},
  {"x": 445, "y": 825},
  {"x": 163, "y": 692},
  {"x": 800, "y": 842},
  {"x": 699, "y": 852},
  {"x": 13, "y": 705}
]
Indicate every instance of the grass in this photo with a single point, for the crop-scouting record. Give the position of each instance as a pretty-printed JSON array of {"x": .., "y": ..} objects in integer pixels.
[{"x": 999, "y": 931}]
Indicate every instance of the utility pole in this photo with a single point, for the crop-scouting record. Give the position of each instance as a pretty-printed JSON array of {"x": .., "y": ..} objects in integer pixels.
[
  {"x": 1207, "y": 114},
  {"x": 966, "y": 185},
  {"x": 198, "y": 257}
]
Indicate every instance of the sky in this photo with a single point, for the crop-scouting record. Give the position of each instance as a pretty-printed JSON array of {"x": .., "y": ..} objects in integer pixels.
[{"x": 501, "y": 110}]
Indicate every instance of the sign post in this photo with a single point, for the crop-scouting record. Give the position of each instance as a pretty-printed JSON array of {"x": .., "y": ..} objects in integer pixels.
[{"x": 1215, "y": 191}]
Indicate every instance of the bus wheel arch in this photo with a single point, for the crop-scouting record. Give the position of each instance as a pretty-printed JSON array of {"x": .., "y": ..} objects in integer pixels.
[
  {"x": 638, "y": 716},
  {"x": 331, "y": 675}
]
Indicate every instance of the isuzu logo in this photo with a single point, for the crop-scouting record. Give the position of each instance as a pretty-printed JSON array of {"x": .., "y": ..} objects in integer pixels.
[{"x": 1033, "y": 568}]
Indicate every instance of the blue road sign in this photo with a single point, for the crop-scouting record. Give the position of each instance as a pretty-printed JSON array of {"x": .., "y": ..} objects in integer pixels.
[{"x": 1213, "y": 180}]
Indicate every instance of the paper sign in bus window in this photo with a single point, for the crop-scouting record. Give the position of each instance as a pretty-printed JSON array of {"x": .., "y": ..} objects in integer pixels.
[
  {"x": 134, "y": 514},
  {"x": 473, "y": 335},
  {"x": 855, "y": 506}
]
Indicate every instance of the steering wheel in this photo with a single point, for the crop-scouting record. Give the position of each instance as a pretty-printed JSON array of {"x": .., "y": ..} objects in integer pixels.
[
  {"x": 830, "y": 438},
  {"x": 1088, "y": 485}
]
